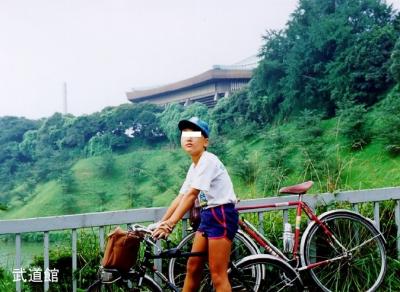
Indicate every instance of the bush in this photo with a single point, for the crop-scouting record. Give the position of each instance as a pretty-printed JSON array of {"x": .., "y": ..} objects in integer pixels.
[
  {"x": 246, "y": 167},
  {"x": 136, "y": 171},
  {"x": 277, "y": 150},
  {"x": 98, "y": 145},
  {"x": 271, "y": 180},
  {"x": 388, "y": 127},
  {"x": 218, "y": 147},
  {"x": 6, "y": 280},
  {"x": 105, "y": 164},
  {"x": 353, "y": 124},
  {"x": 161, "y": 178},
  {"x": 310, "y": 144},
  {"x": 66, "y": 181}
]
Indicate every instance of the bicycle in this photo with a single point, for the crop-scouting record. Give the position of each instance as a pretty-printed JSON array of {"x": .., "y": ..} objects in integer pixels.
[
  {"x": 245, "y": 275},
  {"x": 138, "y": 278},
  {"x": 336, "y": 248}
]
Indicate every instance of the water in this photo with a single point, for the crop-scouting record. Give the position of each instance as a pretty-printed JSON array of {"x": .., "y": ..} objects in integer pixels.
[{"x": 28, "y": 251}]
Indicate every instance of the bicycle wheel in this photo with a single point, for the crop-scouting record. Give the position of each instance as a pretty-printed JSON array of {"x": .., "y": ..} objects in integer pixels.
[
  {"x": 361, "y": 267},
  {"x": 242, "y": 246},
  {"x": 264, "y": 273},
  {"x": 126, "y": 285}
]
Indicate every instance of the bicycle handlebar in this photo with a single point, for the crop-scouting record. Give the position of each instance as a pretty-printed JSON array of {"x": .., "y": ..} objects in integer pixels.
[
  {"x": 139, "y": 228},
  {"x": 168, "y": 253},
  {"x": 145, "y": 233}
]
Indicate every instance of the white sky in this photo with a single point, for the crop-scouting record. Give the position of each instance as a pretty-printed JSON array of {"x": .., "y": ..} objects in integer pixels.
[{"x": 103, "y": 48}]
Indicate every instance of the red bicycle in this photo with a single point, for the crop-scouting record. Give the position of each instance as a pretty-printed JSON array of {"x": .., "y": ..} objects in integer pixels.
[{"x": 342, "y": 250}]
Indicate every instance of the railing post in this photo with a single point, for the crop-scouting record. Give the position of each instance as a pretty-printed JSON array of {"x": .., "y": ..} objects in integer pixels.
[
  {"x": 46, "y": 260},
  {"x": 397, "y": 218},
  {"x": 101, "y": 237},
  {"x": 74, "y": 259},
  {"x": 18, "y": 259},
  {"x": 261, "y": 222},
  {"x": 376, "y": 215}
]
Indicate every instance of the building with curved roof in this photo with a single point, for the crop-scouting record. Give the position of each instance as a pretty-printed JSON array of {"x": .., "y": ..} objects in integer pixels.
[{"x": 206, "y": 88}]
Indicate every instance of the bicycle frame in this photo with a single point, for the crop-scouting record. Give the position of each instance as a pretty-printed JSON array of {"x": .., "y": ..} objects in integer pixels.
[
  {"x": 270, "y": 248},
  {"x": 169, "y": 253}
]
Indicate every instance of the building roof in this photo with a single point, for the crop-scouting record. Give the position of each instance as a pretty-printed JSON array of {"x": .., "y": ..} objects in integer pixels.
[
  {"x": 217, "y": 73},
  {"x": 249, "y": 63}
]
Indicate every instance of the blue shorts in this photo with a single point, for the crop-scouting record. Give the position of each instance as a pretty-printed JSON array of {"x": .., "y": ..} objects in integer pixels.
[{"x": 219, "y": 222}]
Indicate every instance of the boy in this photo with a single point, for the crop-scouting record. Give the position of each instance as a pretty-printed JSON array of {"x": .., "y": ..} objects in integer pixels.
[{"x": 208, "y": 181}]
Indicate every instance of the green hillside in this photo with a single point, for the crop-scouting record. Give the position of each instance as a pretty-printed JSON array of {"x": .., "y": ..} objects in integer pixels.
[{"x": 145, "y": 178}]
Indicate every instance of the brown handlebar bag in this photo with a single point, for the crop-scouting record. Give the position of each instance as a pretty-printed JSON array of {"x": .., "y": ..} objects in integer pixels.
[{"x": 121, "y": 250}]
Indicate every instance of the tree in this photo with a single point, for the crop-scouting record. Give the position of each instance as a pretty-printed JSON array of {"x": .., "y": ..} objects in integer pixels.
[
  {"x": 14, "y": 128},
  {"x": 27, "y": 147},
  {"x": 9, "y": 151},
  {"x": 330, "y": 50},
  {"x": 51, "y": 133},
  {"x": 395, "y": 61},
  {"x": 169, "y": 120},
  {"x": 98, "y": 145},
  {"x": 265, "y": 91},
  {"x": 147, "y": 127},
  {"x": 79, "y": 131},
  {"x": 361, "y": 72},
  {"x": 232, "y": 115},
  {"x": 139, "y": 119}
]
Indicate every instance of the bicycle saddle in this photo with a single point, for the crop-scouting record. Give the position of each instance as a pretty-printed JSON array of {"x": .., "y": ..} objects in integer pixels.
[{"x": 297, "y": 189}]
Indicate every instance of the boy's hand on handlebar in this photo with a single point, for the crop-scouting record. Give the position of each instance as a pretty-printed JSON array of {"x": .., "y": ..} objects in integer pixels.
[
  {"x": 163, "y": 230},
  {"x": 160, "y": 233},
  {"x": 153, "y": 226}
]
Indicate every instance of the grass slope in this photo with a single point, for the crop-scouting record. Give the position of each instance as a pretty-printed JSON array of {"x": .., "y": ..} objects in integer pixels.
[{"x": 162, "y": 172}]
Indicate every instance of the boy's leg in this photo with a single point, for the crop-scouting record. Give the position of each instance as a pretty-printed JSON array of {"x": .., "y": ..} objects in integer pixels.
[
  {"x": 195, "y": 264},
  {"x": 219, "y": 251}
]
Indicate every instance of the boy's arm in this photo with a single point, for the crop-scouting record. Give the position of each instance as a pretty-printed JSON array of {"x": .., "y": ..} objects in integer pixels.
[
  {"x": 172, "y": 207},
  {"x": 184, "y": 205}
]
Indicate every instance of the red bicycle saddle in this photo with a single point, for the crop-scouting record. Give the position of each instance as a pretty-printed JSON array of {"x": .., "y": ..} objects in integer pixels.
[{"x": 297, "y": 189}]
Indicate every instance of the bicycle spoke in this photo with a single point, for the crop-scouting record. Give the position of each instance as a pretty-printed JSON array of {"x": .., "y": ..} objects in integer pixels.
[
  {"x": 364, "y": 243},
  {"x": 360, "y": 266}
]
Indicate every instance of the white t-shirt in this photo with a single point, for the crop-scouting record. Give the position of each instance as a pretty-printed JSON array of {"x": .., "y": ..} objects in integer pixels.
[{"x": 211, "y": 178}]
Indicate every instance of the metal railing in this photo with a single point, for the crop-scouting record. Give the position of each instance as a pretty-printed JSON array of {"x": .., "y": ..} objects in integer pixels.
[{"x": 103, "y": 219}]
